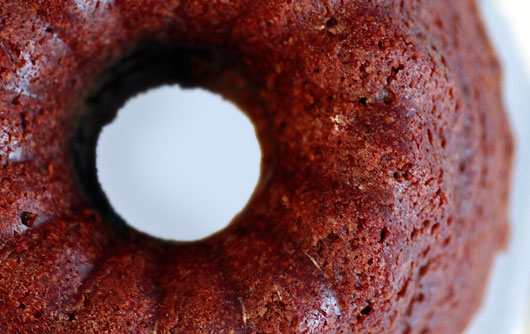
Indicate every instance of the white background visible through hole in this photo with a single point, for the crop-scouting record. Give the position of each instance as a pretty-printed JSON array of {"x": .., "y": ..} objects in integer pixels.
[{"x": 178, "y": 164}]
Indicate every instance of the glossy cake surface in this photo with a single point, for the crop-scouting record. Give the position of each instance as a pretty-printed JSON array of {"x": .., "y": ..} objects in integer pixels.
[{"x": 383, "y": 195}]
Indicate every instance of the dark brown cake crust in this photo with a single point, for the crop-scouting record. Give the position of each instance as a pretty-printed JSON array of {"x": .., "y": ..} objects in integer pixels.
[{"x": 383, "y": 194}]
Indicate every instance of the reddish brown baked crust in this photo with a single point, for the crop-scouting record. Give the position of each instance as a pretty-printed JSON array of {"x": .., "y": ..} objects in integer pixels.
[{"x": 383, "y": 194}]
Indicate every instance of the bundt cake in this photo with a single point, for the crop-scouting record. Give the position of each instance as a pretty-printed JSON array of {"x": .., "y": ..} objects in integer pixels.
[{"x": 383, "y": 194}]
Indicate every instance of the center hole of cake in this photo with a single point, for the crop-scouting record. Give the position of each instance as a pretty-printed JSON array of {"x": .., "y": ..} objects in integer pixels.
[{"x": 178, "y": 164}]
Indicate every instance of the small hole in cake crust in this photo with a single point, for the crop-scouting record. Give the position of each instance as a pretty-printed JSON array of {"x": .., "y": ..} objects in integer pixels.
[
  {"x": 367, "y": 310},
  {"x": 435, "y": 228},
  {"x": 332, "y": 22},
  {"x": 384, "y": 235},
  {"x": 431, "y": 140},
  {"x": 404, "y": 289},
  {"x": 28, "y": 218},
  {"x": 424, "y": 269},
  {"x": 447, "y": 241}
]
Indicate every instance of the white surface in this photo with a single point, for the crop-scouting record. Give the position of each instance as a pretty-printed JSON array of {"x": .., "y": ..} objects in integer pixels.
[
  {"x": 516, "y": 14},
  {"x": 178, "y": 164},
  {"x": 194, "y": 188}
]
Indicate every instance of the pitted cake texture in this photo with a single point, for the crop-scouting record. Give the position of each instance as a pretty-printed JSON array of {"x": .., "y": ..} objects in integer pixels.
[{"x": 383, "y": 194}]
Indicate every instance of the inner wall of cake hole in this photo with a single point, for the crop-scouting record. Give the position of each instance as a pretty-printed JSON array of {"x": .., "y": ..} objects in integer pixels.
[{"x": 178, "y": 163}]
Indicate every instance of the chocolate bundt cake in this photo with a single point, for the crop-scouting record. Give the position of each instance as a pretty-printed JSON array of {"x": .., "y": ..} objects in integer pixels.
[{"x": 383, "y": 194}]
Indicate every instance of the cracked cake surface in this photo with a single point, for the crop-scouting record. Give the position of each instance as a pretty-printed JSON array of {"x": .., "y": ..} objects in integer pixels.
[{"x": 385, "y": 170}]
